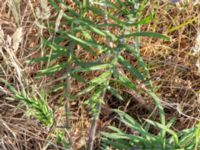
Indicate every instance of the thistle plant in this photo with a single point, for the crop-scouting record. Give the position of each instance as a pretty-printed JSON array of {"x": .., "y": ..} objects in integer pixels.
[
  {"x": 88, "y": 43},
  {"x": 82, "y": 34}
]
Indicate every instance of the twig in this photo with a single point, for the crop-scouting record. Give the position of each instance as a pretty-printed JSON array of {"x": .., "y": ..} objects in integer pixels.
[
  {"x": 67, "y": 105},
  {"x": 93, "y": 128},
  {"x": 67, "y": 90},
  {"x": 140, "y": 100}
]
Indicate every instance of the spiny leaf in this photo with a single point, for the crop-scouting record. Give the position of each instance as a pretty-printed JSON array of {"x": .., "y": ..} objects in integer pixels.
[
  {"x": 51, "y": 70},
  {"x": 162, "y": 127},
  {"x": 149, "y": 34},
  {"x": 128, "y": 66},
  {"x": 91, "y": 68},
  {"x": 124, "y": 80},
  {"x": 115, "y": 92}
]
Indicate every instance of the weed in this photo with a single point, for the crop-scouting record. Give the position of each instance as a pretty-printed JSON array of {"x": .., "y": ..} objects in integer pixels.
[{"x": 93, "y": 54}]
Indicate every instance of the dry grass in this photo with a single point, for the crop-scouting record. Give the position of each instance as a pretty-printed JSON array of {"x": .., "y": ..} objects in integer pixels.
[
  {"x": 173, "y": 68},
  {"x": 19, "y": 39},
  {"x": 172, "y": 64}
]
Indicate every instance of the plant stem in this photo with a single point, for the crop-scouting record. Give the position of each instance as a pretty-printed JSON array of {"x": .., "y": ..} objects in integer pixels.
[
  {"x": 93, "y": 127},
  {"x": 67, "y": 92}
]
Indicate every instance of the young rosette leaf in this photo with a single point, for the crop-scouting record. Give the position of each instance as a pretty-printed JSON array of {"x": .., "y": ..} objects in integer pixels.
[{"x": 142, "y": 139}]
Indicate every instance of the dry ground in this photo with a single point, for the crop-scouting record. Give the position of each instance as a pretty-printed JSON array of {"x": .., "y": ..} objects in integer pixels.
[{"x": 173, "y": 66}]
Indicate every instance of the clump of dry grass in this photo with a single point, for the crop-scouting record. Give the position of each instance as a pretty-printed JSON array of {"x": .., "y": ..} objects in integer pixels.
[
  {"x": 172, "y": 65},
  {"x": 17, "y": 25},
  {"x": 18, "y": 132}
]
